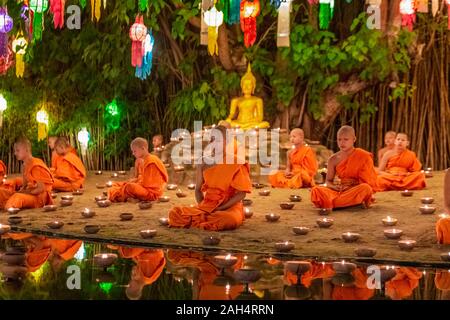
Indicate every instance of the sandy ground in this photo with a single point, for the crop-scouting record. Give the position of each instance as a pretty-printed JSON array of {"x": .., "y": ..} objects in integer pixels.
[{"x": 256, "y": 234}]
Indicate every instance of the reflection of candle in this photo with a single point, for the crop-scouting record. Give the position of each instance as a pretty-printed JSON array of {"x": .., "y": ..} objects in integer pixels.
[
  {"x": 228, "y": 257},
  {"x": 104, "y": 256}
]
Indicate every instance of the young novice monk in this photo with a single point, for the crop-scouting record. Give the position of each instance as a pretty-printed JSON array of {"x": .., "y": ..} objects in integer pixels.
[
  {"x": 37, "y": 180},
  {"x": 400, "y": 169},
  {"x": 69, "y": 171},
  {"x": 443, "y": 224},
  {"x": 220, "y": 188},
  {"x": 55, "y": 156},
  {"x": 301, "y": 165},
  {"x": 354, "y": 167},
  {"x": 151, "y": 177},
  {"x": 389, "y": 141}
]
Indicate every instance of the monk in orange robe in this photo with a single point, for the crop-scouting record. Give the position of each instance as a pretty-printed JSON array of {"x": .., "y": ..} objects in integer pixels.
[
  {"x": 301, "y": 165},
  {"x": 38, "y": 252},
  {"x": 317, "y": 271},
  {"x": 358, "y": 291},
  {"x": 220, "y": 189},
  {"x": 443, "y": 224},
  {"x": 37, "y": 180},
  {"x": 400, "y": 169},
  {"x": 69, "y": 173},
  {"x": 2, "y": 169},
  {"x": 55, "y": 155},
  {"x": 151, "y": 177},
  {"x": 404, "y": 283},
  {"x": 389, "y": 142},
  {"x": 355, "y": 170}
]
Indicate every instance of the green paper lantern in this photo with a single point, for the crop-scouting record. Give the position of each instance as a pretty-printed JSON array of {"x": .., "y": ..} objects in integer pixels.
[
  {"x": 112, "y": 115},
  {"x": 38, "y": 7}
]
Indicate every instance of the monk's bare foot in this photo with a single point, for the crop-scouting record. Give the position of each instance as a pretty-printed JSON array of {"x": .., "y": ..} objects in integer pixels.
[{"x": 133, "y": 200}]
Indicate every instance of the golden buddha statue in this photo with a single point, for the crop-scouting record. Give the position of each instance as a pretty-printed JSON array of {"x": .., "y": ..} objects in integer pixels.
[{"x": 247, "y": 112}]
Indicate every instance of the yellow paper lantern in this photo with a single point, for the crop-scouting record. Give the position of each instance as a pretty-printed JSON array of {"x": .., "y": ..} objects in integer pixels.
[
  {"x": 19, "y": 46},
  {"x": 213, "y": 19},
  {"x": 42, "y": 119}
]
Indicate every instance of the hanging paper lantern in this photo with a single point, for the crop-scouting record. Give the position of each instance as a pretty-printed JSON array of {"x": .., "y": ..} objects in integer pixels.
[
  {"x": 448, "y": 13},
  {"x": 83, "y": 138},
  {"x": 3, "y": 107},
  {"x": 143, "y": 5},
  {"x": 57, "y": 9},
  {"x": 408, "y": 12},
  {"x": 6, "y": 25},
  {"x": 434, "y": 7},
  {"x": 19, "y": 46},
  {"x": 313, "y": 2},
  {"x": 231, "y": 10},
  {"x": 96, "y": 12},
  {"x": 6, "y": 61},
  {"x": 112, "y": 115},
  {"x": 213, "y": 20},
  {"x": 249, "y": 11},
  {"x": 83, "y": 3},
  {"x": 326, "y": 10},
  {"x": 38, "y": 7},
  {"x": 283, "y": 26},
  {"x": 138, "y": 32},
  {"x": 42, "y": 119},
  {"x": 145, "y": 69}
]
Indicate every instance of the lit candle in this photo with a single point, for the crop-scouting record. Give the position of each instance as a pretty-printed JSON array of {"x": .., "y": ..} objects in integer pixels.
[
  {"x": 109, "y": 184},
  {"x": 443, "y": 216}
]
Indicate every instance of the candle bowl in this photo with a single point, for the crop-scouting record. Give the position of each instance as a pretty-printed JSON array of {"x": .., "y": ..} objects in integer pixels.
[
  {"x": 104, "y": 203},
  {"x": 287, "y": 205},
  {"x": 389, "y": 222},
  {"x": 14, "y": 275},
  {"x": 13, "y": 210},
  {"x": 67, "y": 197},
  {"x": 17, "y": 249},
  {"x": 406, "y": 193},
  {"x": 393, "y": 233},
  {"x": 109, "y": 184},
  {"x": 100, "y": 185},
  {"x": 147, "y": 234},
  {"x": 91, "y": 228},
  {"x": 300, "y": 230},
  {"x": 178, "y": 168},
  {"x": 191, "y": 186},
  {"x": 343, "y": 280},
  {"x": 297, "y": 267},
  {"x": 54, "y": 195},
  {"x": 172, "y": 186},
  {"x": 272, "y": 217},
  {"x": 126, "y": 216},
  {"x": 55, "y": 224},
  {"x": 97, "y": 173},
  {"x": 211, "y": 241},
  {"x": 295, "y": 198},
  {"x": 66, "y": 203},
  {"x": 49, "y": 208},
  {"x": 264, "y": 193},
  {"x": 167, "y": 165},
  {"x": 324, "y": 211},
  {"x": 365, "y": 252},
  {"x": 181, "y": 194},
  {"x": 247, "y": 275},
  {"x": 343, "y": 267},
  {"x": 164, "y": 199},
  {"x": 104, "y": 260},
  {"x": 15, "y": 220},
  {"x": 114, "y": 175},
  {"x": 428, "y": 174},
  {"x": 444, "y": 216},
  {"x": 427, "y": 200},
  {"x": 144, "y": 205},
  {"x": 164, "y": 221},
  {"x": 122, "y": 173},
  {"x": 247, "y": 202},
  {"x": 387, "y": 274},
  {"x": 223, "y": 261},
  {"x": 258, "y": 185},
  {"x": 101, "y": 198},
  {"x": 78, "y": 192},
  {"x": 349, "y": 237},
  {"x": 248, "y": 213},
  {"x": 427, "y": 210},
  {"x": 324, "y": 222},
  {"x": 407, "y": 245},
  {"x": 4, "y": 228},
  {"x": 445, "y": 256},
  {"x": 284, "y": 246},
  {"x": 14, "y": 258},
  {"x": 297, "y": 292},
  {"x": 87, "y": 213}
]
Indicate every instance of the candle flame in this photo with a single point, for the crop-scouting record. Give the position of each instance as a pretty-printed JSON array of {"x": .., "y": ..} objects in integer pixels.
[
  {"x": 286, "y": 243},
  {"x": 104, "y": 256},
  {"x": 228, "y": 257}
]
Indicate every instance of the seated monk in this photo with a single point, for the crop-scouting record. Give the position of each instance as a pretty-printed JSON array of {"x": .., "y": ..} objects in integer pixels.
[
  {"x": 404, "y": 283},
  {"x": 357, "y": 291},
  {"x": 220, "y": 189},
  {"x": 400, "y": 169},
  {"x": 317, "y": 271},
  {"x": 301, "y": 165},
  {"x": 389, "y": 142},
  {"x": 247, "y": 112},
  {"x": 443, "y": 224},
  {"x": 37, "y": 180},
  {"x": 69, "y": 171},
  {"x": 55, "y": 156},
  {"x": 2, "y": 169},
  {"x": 354, "y": 167},
  {"x": 151, "y": 176},
  {"x": 159, "y": 149}
]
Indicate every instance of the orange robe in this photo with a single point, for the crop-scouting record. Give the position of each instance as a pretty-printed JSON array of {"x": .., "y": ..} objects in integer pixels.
[
  {"x": 443, "y": 231},
  {"x": 404, "y": 283},
  {"x": 2, "y": 169},
  {"x": 442, "y": 280},
  {"x": 303, "y": 167},
  {"x": 405, "y": 162},
  {"x": 357, "y": 292},
  {"x": 69, "y": 173},
  {"x": 66, "y": 249},
  {"x": 221, "y": 182},
  {"x": 152, "y": 177},
  {"x": 34, "y": 172},
  {"x": 56, "y": 157},
  {"x": 317, "y": 271},
  {"x": 356, "y": 171},
  {"x": 36, "y": 257}
]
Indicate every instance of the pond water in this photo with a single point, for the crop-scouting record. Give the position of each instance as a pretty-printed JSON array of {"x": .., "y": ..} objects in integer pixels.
[{"x": 38, "y": 267}]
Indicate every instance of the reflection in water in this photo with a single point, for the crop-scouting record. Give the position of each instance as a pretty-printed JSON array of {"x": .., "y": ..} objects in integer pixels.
[{"x": 37, "y": 267}]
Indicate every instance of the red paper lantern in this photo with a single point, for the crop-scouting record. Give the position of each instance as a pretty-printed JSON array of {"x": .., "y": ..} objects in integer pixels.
[
  {"x": 448, "y": 12},
  {"x": 249, "y": 11},
  {"x": 408, "y": 12},
  {"x": 138, "y": 33}
]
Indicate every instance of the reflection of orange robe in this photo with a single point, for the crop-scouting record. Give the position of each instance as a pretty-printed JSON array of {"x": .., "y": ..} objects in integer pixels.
[
  {"x": 35, "y": 258},
  {"x": 405, "y": 162},
  {"x": 317, "y": 271},
  {"x": 443, "y": 231},
  {"x": 442, "y": 280},
  {"x": 356, "y": 171},
  {"x": 2, "y": 169},
  {"x": 69, "y": 173},
  {"x": 208, "y": 273},
  {"x": 403, "y": 284},
  {"x": 152, "y": 177},
  {"x": 357, "y": 292},
  {"x": 56, "y": 157},
  {"x": 221, "y": 182},
  {"x": 66, "y": 249},
  {"x": 303, "y": 167},
  {"x": 33, "y": 172}
]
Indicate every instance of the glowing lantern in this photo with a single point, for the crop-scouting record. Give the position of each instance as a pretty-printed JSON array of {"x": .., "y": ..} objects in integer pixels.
[
  {"x": 3, "y": 107},
  {"x": 213, "y": 20},
  {"x": 138, "y": 33},
  {"x": 448, "y": 12},
  {"x": 231, "y": 11},
  {"x": 83, "y": 138},
  {"x": 112, "y": 115},
  {"x": 57, "y": 9},
  {"x": 408, "y": 12},
  {"x": 326, "y": 11},
  {"x": 146, "y": 68},
  {"x": 249, "y": 11},
  {"x": 6, "y": 25},
  {"x": 42, "y": 119},
  {"x": 96, "y": 6},
  {"x": 38, "y": 7},
  {"x": 19, "y": 46}
]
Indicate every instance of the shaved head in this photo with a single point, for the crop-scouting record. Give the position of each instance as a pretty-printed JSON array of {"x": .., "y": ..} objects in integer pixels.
[
  {"x": 390, "y": 133},
  {"x": 298, "y": 131},
  {"x": 346, "y": 130},
  {"x": 62, "y": 142},
  {"x": 404, "y": 135},
  {"x": 24, "y": 143},
  {"x": 139, "y": 143}
]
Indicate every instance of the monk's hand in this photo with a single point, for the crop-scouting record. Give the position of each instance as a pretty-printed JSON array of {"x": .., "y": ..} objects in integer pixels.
[
  {"x": 288, "y": 174},
  {"x": 334, "y": 187}
]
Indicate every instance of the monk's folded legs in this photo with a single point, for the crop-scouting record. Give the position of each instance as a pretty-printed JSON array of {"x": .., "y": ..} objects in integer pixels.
[
  {"x": 443, "y": 231},
  {"x": 21, "y": 201},
  {"x": 323, "y": 197},
  {"x": 5, "y": 194},
  {"x": 217, "y": 221},
  {"x": 65, "y": 186},
  {"x": 121, "y": 192}
]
